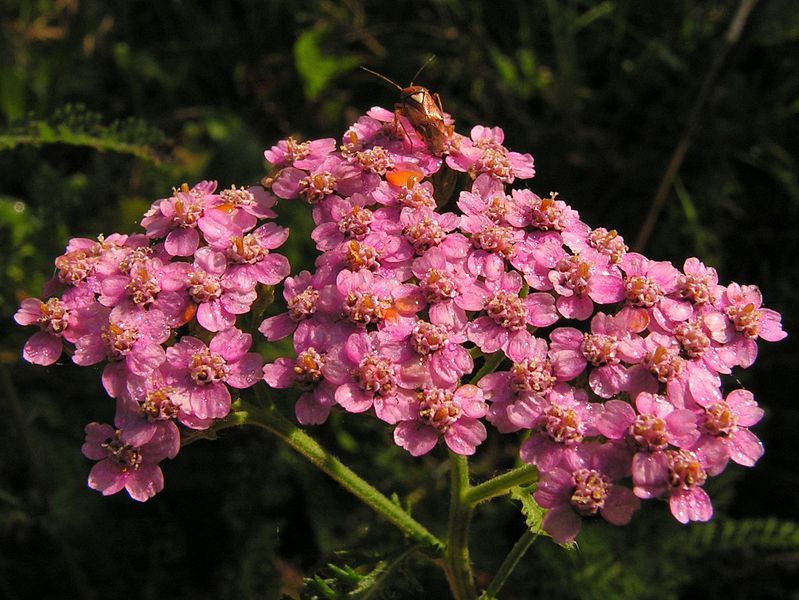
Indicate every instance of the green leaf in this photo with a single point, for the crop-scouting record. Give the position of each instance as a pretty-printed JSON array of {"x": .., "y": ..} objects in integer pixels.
[
  {"x": 316, "y": 65},
  {"x": 533, "y": 513},
  {"x": 364, "y": 582},
  {"x": 747, "y": 534}
]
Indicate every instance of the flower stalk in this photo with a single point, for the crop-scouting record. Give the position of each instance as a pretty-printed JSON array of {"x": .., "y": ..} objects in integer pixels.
[
  {"x": 509, "y": 564},
  {"x": 270, "y": 419},
  {"x": 500, "y": 485},
  {"x": 458, "y": 566}
]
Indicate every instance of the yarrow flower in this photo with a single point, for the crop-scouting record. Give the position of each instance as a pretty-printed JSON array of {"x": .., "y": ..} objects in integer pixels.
[
  {"x": 130, "y": 302},
  {"x": 435, "y": 310}
]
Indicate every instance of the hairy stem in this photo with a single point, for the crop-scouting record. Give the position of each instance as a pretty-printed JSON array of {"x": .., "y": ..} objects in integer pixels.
[
  {"x": 458, "y": 566},
  {"x": 501, "y": 484},
  {"x": 268, "y": 418}
]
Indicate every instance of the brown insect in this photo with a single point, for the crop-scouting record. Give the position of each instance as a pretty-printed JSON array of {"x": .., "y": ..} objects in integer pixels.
[{"x": 424, "y": 111}]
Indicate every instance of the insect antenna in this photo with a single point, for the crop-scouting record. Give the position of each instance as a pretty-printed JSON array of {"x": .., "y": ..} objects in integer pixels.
[
  {"x": 383, "y": 77},
  {"x": 427, "y": 62}
]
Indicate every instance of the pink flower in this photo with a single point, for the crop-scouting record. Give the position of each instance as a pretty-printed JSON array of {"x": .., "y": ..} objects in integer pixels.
[
  {"x": 564, "y": 421},
  {"x": 749, "y": 321},
  {"x": 536, "y": 255},
  {"x": 413, "y": 195},
  {"x": 145, "y": 281},
  {"x": 126, "y": 463},
  {"x": 76, "y": 266},
  {"x": 312, "y": 342},
  {"x": 699, "y": 284},
  {"x": 652, "y": 286},
  {"x": 453, "y": 415},
  {"x": 687, "y": 382},
  {"x": 57, "y": 319},
  {"x": 677, "y": 475},
  {"x": 517, "y": 396},
  {"x": 425, "y": 229},
  {"x": 249, "y": 259},
  {"x": 505, "y": 326},
  {"x": 360, "y": 297},
  {"x": 107, "y": 257},
  {"x": 651, "y": 426},
  {"x": 724, "y": 426},
  {"x": 698, "y": 337},
  {"x": 242, "y": 207},
  {"x": 549, "y": 214},
  {"x": 220, "y": 294},
  {"x": 487, "y": 198},
  {"x": 442, "y": 276},
  {"x": 149, "y": 400},
  {"x": 609, "y": 243},
  {"x": 660, "y": 363},
  {"x": 176, "y": 218},
  {"x": 349, "y": 219},
  {"x": 605, "y": 347},
  {"x": 582, "y": 279},
  {"x": 581, "y": 487},
  {"x": 376, "y": 159},
  {"x": 302, "y": 295},
  {"x": 366, "y": 372},
  {"x": 128, "y": 338},
  {"x": 384, "y": 254},
  {"x": 302, "y": 155},
  {"x": 437, "y": 357},
  {"x": 201, "y": 372},
  {"x": 492, "y": 245},
  {"x": 331, "y": 176},
  {"x": 484, "y": 153}
]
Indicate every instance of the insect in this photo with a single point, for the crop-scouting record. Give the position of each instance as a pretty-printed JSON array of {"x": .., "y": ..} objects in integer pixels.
[{"x": 424, "y": 111}]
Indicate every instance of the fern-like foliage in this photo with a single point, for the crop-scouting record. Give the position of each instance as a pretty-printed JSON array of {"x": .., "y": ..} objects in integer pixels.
[
  {"x": 388, "y": 577},
  {"x": 747, "y": 534},
  {"x": 75, "y": 125},
  {"x": 533, "y": 513}
]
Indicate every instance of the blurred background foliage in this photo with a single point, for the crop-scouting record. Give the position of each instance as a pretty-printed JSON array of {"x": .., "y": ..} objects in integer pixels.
[{"x": 106, "y": 106}]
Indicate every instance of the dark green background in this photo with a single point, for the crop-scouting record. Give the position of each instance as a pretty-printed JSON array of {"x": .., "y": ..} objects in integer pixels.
[{"x": 598, "y": 92}]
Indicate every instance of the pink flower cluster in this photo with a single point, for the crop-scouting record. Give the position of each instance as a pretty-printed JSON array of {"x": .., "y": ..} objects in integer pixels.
[
  {"x": 159, "y": 311},
  {"x": 609, "y": 362}
]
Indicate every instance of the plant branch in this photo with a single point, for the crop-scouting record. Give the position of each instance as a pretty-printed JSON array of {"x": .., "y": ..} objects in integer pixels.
[
  {"x": 492, "y": 361},
  {"x": 731, "y": 38},
  {"x": 458, "y": 566},
  {"x": 270, "y": 419},
  {"x": 501, "y": 484},
  {"x": 509, "y": 564}
]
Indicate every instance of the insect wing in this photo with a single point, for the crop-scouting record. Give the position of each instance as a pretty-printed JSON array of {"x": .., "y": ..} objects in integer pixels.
[{"x": 424, "y": 112}]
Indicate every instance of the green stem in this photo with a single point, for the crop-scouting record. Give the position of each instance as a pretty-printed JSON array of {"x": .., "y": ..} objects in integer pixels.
[
  {"x": 509, "y": 564},
  {"x": 458, "y": 566},
  {"x": 501, "y": 484},
  {"x": 271, "y": 420},
  {"x": 492, "y": 361}
]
